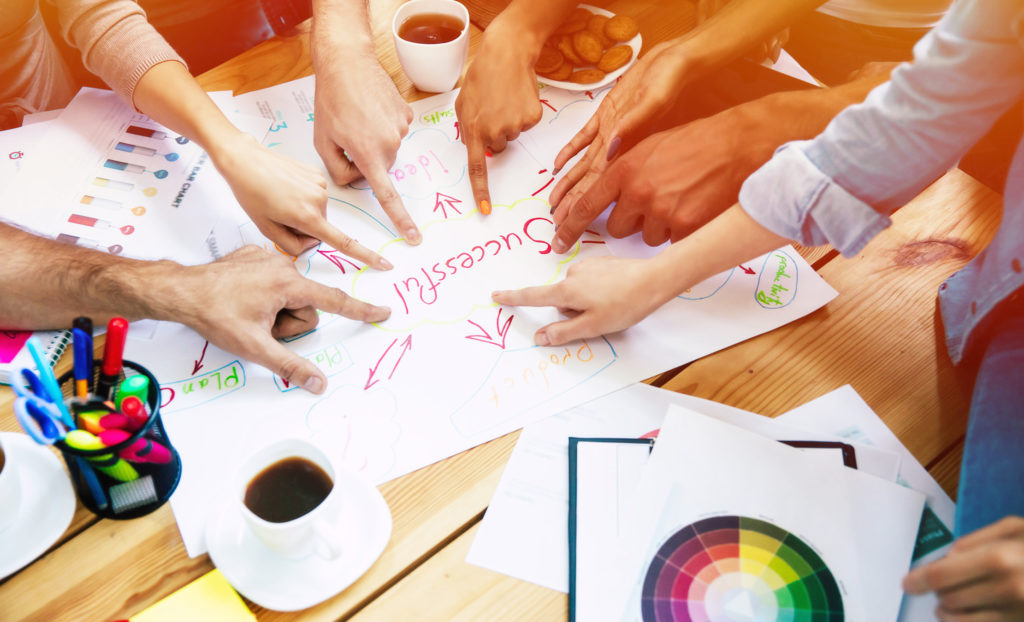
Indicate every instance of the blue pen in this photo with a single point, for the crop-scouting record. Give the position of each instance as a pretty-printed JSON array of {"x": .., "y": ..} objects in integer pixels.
[
  {"x": 83, "y": 363},
  {"x": 49, "y": 380}
]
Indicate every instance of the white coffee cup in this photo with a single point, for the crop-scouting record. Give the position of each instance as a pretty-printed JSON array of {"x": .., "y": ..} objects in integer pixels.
[
  {"x": 318, "y": 530},
  {"x": 432, "y": 67},
  {"x": 10, "y": 489}
]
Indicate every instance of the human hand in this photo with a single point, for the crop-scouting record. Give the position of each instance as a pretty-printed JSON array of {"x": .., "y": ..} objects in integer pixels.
[
  {"x": 286, "y": 199},
  {"x": 600, "y": 294},
  {"x": 629, "y": 112},
  {"x": 674, "y": 181},
  {"x": 498, "y": 100},
  {"x": 358, "y": 112},
  {"x": 248, "y": 299},
  {"x": 982, "y": 577}
]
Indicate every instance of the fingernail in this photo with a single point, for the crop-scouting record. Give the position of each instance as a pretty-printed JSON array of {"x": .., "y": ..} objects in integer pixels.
[
  {"x": 542, "y": 339},
  {"x": 314, "y": 385},
  {"x": 384, "y": 264},
  {"x": 553, "y": 208},
  {"x": 485, "y": 207},
  {"x": 555, "y": 172},
  {"x": 413, "y": 236},
  {"x": 559, "y": 246},
  {"x": 497, "y": 294},
  {"x": 613, "y": 148}
]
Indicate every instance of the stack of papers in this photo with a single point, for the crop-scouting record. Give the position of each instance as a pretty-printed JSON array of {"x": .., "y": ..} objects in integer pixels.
[{"x": 719, "y": 468}]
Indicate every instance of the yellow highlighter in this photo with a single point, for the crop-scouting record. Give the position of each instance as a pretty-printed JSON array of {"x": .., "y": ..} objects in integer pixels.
[{"x": 110, "y": 464}]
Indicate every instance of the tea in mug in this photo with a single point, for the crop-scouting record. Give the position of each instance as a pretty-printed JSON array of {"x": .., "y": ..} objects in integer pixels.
[
  {"x": 431, "y": 28},
  {"x": 287, "y": 489}
]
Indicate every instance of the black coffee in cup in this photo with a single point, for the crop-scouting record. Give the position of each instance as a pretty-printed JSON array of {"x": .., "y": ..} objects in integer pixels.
[{"x": 287, "y": 489}]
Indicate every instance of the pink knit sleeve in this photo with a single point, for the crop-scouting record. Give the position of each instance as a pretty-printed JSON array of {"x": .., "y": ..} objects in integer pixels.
[{"x": 117, "y": 42}]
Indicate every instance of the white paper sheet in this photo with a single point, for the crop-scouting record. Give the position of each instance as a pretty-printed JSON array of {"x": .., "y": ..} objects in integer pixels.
[
  {"x": 860, "y": 526},
  {"x": 106, "y": 177},
  {"x": 523, "y": 533},
  {"x": 449, "y": 369},
  {"x": 844, "y": 413},
  {"x": 606, "y": 479}
]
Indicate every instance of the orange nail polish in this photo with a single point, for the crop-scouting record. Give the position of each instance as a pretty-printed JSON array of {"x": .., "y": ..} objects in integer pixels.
[{"x": 485, "y": 207}]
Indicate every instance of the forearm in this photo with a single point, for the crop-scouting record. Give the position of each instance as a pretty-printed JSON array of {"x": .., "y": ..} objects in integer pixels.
[
  {"x": 340, "y": 35},
  {"x": 734, "y": 30},
  {"x": 730, "y": 239},
  {"x": 525, "y": 25},
  {"x": 46, "y": 284},
  {"x": 168, "y": 94},
  {"x": 806, "y": 113}
]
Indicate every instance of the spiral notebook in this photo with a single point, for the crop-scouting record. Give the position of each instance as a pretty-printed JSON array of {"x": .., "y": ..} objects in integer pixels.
[{"x": 14, "y": 354}]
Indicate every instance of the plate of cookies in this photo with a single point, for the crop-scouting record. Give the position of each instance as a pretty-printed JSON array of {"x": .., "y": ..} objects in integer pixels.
[{"x": 590, "y": 49}]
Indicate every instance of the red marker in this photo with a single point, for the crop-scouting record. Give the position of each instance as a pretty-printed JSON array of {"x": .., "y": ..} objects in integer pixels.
[
  {"x": 133, "y": 408},
  {"x": 113, "y": 350}
]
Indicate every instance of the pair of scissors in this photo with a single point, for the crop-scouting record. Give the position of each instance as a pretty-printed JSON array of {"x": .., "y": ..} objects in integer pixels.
[{"x": 43, "y": 419}]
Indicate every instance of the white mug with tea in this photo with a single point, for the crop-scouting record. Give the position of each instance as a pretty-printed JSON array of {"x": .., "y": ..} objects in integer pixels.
[
  {"x": 432, "y": 39},
  {"x": 10, "y": 490},
  {"x": 289, "y": 499}
]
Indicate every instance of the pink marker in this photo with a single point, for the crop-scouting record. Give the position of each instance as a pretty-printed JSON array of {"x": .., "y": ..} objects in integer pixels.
[
  {"x": 117, "y": 421},
  {"x": 142, "y": 450}
]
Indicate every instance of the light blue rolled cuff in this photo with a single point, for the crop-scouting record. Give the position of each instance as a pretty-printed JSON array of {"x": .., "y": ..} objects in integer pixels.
[{"x": 791, "y": 197}]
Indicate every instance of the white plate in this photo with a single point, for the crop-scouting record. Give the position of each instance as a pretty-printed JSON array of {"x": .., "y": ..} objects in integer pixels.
[
  {"x": 634, "y": 43},
  {"x": 280, "y": 583},
  {"x": 47, "y": 502}
]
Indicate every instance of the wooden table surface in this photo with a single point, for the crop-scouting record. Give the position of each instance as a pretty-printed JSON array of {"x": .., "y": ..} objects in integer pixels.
[{"x": 879, "y": 335}]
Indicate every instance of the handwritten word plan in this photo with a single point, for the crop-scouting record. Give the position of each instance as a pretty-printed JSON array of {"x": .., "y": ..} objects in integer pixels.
[{"x": 449, "y": 369}]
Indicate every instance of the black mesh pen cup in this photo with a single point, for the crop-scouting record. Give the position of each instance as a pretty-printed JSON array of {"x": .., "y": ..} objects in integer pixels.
[{"x": 135, "y": 473}]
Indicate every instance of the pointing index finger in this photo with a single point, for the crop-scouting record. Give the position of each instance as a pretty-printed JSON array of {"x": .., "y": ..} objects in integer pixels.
[
  {"x": 392, "y": 204},
  {"x": 478, "y": 173},
  {"x": 347, "y": 245}
]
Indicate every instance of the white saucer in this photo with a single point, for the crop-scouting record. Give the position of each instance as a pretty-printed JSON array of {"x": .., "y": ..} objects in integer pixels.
[
  {"x": 276, "y": 582},
  {"x": 636, "y": 43},
  {"x": 47, "y": 502}
]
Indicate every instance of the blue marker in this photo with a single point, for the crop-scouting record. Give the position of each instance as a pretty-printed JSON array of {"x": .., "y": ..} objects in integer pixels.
[
  {"x": 83, "y": 363},
  {"x": 84, "y": 324},
  {"x": 49, "y": 380}
]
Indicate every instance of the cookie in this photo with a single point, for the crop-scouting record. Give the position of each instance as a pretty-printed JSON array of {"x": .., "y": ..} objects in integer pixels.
[
  {"x": 576, "y": 21},
  {"x": 565, "y": 47},
  {"x": 549, "y": 60},
  {"x": 587, "y": 46},
  {"x": 614, "y": 58},
  {"x": 561, "y": 74},
  {"x": 587, "y": 76},
  {"x": 595, "y": 25},
  {"x": 621, "y": 28}
]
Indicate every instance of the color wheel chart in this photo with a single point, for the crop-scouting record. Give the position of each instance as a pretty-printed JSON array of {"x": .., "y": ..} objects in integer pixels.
[
  {"x": 738, "y": 569},
  {"x": 141, "y": 163}
]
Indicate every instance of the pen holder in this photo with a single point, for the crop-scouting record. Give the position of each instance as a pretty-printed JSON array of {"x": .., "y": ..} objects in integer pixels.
[{"x": 99, "y": 474}]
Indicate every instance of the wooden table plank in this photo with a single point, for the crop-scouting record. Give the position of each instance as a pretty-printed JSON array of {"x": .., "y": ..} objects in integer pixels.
[
  {"x": 447, "y": 588},
  {"x": 880, "y": 334}
]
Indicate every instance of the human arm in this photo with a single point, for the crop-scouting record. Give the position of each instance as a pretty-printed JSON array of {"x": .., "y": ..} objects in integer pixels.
[
  {"x": 981, "y": 578},
  {"x": 358, "y": 111},
  {"x": 242, "y": 303},
  {"x": 639, "y": 103},
  {"x": 499, "y": 99},
  {"x": 608, "y": 294},
  {"x": 675, "y": 181},
  {"x": 285, "y": 199}
]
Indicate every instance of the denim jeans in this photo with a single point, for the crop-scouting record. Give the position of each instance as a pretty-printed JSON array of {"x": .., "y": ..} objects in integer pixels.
[{"x": 992, "y": 471}]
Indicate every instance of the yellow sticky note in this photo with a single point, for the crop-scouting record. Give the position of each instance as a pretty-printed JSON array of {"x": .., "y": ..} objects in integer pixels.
[{"x": 210, "y": 597}]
